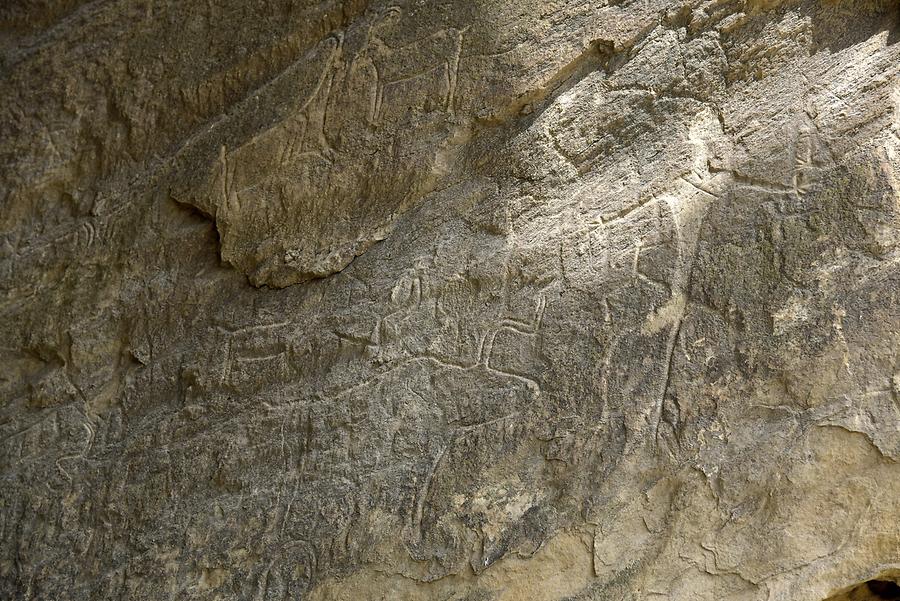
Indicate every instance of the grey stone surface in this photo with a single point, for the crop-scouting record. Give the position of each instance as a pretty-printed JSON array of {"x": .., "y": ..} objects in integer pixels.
[{"x": 471, "y": 300}]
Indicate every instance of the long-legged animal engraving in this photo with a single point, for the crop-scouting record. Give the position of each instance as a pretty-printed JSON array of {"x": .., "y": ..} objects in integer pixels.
[{"x": 393, "y": 66}]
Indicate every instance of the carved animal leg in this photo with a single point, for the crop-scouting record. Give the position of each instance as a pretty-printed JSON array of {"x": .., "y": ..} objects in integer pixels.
[
  {"x": 453, "y": 71},
  {"x": 448, "y": 98},
  {"x": 379, "y": 99}
]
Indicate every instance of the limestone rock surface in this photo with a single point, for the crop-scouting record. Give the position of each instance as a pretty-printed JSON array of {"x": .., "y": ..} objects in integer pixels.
[{"x": 466, "y": 300}]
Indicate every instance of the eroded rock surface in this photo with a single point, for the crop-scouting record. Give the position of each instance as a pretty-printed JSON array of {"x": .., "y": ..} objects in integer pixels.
[{"x": 490, "y": 300}]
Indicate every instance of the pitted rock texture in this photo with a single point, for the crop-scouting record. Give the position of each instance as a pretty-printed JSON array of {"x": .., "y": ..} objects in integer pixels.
[{"x": 472, "y": 300}]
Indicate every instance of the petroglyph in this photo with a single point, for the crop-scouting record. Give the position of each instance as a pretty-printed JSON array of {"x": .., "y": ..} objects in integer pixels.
[
  {"x": 466, "y": 300},
  {"x": 435, "y": 56}
]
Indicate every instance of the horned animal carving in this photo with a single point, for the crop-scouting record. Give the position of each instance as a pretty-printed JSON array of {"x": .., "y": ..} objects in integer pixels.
[{"x": 439, "y": 51}]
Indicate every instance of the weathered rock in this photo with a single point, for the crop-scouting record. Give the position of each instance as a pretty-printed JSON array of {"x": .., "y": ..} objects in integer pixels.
[{"x": 465, "y": 300}]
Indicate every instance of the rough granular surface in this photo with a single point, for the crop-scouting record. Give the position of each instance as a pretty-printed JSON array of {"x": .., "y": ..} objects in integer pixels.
[{"x": 470, "y": 300}]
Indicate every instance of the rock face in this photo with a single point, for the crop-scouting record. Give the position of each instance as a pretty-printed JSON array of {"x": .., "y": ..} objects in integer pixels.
[{"x": 471, "y": 300}]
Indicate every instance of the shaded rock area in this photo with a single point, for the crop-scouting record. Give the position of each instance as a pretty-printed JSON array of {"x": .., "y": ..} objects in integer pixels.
[{"x": 462, "y": 300}]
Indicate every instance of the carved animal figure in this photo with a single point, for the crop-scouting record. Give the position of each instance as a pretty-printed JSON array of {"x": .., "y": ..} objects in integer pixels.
[{"x": 439, "y": 51}]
